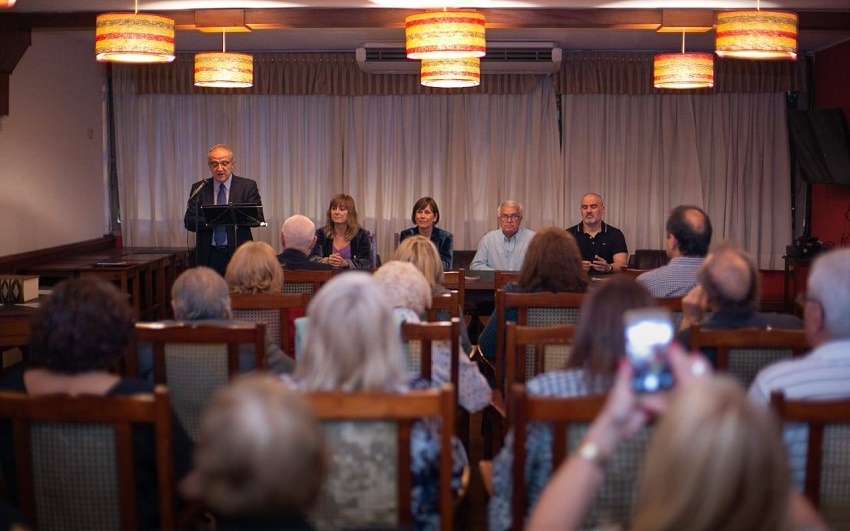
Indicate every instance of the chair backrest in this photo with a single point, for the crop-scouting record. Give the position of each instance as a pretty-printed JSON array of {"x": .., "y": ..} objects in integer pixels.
[
  {"x": 456, "y": 281},
  {"x": 743, "y": 352},
  {"x": 74, "y": 458},
  {"x": 270, "y": 309},
  {"x": 674, "y": 304},
  {"x": 195, "y": 360},
  {"x": 827, "y": 479},
  {"x": 568, "y": 420},
  {"x": 531, "y": 350},
  {"x": 368, "y": 437},
  {"x": 649, "y": 258},
  {"x": 534, "y": 309},
  {"x": 306, "y": 280},
  {"x": 446, "y": 302},
  {"x": 500, "y": 278}
]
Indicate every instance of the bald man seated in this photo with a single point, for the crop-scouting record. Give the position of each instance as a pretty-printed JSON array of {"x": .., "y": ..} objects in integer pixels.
[
  {"x": 297, "y": 236},
  {"x": 728, "y": 286}
]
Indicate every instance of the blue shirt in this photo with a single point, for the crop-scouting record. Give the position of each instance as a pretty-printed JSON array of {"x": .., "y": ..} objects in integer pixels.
[{"x": 497, "y": 253}]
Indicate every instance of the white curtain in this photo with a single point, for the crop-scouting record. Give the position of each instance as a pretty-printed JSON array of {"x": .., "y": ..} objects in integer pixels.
[
  {"x": 727, "y": 153},
  {"x": 469, "y": 152}
]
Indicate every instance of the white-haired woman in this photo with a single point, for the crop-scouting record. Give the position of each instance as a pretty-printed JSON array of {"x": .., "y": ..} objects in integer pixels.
[
  {"x": 410, "y": 295},
  {"x": 351, "y": 343}
]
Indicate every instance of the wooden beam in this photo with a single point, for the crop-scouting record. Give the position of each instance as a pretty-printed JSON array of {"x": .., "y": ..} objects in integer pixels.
[
  {"x": 13, "y": 44},
  {"x": 686, "y": 20}
]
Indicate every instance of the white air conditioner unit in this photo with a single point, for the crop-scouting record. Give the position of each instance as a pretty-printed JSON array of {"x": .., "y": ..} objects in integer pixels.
[{"x": 502, "y": 58}]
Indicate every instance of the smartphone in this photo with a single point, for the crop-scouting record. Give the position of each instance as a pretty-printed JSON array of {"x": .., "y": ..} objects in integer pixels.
[{"x": 648, "y": 333}]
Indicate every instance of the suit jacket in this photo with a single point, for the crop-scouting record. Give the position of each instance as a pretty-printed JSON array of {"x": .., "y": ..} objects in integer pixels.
[
  {"x": 292, "y": 259},
  {"x": 361, "y": 248},
  {"x": 443, "y": 239},
  {"x": 242, "y": 191}
]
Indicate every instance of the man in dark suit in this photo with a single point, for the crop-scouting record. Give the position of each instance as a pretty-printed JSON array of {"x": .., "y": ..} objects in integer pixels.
[
  {"x": 215, "y": 245},
  {"x": 298, "y": 236}
]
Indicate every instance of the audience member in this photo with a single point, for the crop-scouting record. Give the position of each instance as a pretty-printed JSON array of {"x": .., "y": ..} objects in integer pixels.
[
  {"x": 598, "y": 347},
  {"x": 824, "y": 373},
  {"x": 426, "y": 215},
  {"x": 215, "y": 245},
  {"x": 504, "y": 249},
  {"x": 202, "y": 297},
  {"x": 261, "y": 460},
  {"x": 342, "y": 242},
  {"x": 422, "y": 253},
  {"x": 297, "y": 237},
  {"x": 714, "y": 461},
  {"x": 254, "y": 269},
  {"x": 78, "y": 336},
  {"x": 688, "y": 237},
  {"x": 552, "y": 263},
  {"x": 352, "y": 344},
  {"x": 410, "y": 296},
  {"x": 603, "y": 247},
  {"x": 728, "y": 286}
]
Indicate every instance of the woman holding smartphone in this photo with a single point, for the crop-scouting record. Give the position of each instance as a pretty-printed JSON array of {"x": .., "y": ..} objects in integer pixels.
[{"x": 342, "y": 242}]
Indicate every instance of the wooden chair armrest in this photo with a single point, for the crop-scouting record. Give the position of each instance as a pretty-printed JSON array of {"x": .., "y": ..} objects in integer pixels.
[{"x": 486, "y": 469}]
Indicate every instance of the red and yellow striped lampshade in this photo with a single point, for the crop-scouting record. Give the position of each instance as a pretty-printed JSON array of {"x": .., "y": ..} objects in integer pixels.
[
  {"x": 756, "y": 35},
  {"x": 6, "y": 3},
  {"x": 457, "y": 72},
  {"x": 444, "y": 34},
  {"x": 224, "y": 70},
  {"x": 683, "y": 70},
  {"x": 134, "y": 38}
]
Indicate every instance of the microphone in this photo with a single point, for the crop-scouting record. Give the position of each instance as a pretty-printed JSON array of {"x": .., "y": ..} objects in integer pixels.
[{"x": 197, "y": 189}]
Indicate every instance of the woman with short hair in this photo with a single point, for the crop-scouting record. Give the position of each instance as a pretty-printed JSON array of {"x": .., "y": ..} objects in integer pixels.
[{"x": 425, "y": 216}]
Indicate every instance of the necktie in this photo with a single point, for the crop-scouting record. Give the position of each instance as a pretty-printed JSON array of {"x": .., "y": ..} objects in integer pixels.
[{"x": 219, "y": 234}]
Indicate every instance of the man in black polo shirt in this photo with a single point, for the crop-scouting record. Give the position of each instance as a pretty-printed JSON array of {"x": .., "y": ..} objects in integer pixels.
[{"x": 603, "y": 247}]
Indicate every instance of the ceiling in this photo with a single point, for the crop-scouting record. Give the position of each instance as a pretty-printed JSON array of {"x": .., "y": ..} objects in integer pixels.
[{"x": 340, "y": 25}]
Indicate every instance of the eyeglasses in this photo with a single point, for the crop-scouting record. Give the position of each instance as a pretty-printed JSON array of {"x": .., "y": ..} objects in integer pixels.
[
  {"x": 222, "y": 163},
  {"x": 510, "y": 217}
]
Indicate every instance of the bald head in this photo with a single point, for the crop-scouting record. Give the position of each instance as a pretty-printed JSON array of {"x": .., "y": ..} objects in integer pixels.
[
  {"x": 691, "y": 228},
  {"x": 730, "y": 280},
  {"x": 298, "y": 232}
]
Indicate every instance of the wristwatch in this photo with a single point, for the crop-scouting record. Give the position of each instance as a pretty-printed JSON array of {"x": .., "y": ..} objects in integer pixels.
[{"x": 589, "y": 451}]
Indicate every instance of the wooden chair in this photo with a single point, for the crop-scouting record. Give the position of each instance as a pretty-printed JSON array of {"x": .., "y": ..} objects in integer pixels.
[
  {"x": 531, "y": 350},
  {"x": 368, "y": 437},
  {"x": 568, "y": 420},
  {"x": 447, "y": 302},
  {"x": 272, "y": 310},
  {"x": 743, "y": 352},
  {"x": 195, "y": 361},
  {"x": 456, "y": 281},
  {"x": 306, "y": 280},
  {"x": 500, "y": 278},
  {"x": 826, "y": 432},
  {"x": 674, "y": 304},
  {"x": 74, "y": 458}
]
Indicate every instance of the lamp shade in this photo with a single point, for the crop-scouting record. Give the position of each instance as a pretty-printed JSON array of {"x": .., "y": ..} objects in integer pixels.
[
  {"x": 224, "y": 70},
  {"x": 443, "y": 34},
  {"x": 756, "y": 35},
  {"x": 457, "y": 72},
  {"x": 683, "y": 70},
  {"x": 134, "y": 38},
  {"x": 6, "y": 3}
]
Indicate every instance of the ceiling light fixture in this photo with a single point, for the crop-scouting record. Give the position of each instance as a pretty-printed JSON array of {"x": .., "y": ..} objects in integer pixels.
[
  {"x": 457, "y": 72},
  {"x": 683, "y": 70},
  {"x": 6, "y": 3},
  {"x": 756, "y": 34},
  {"x": 445, "y": 34},
  {"x": 223, "y": 69},
  {"x": 134, "y": 38}
]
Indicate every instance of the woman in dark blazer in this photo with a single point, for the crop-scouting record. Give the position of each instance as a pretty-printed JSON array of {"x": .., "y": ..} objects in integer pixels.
[
  {"x": 342, "y": 242},
  {"x": 426, "y": 215}
]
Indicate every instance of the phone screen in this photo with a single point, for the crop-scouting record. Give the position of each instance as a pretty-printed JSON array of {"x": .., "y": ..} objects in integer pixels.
[{"x": 648, "y": 333}]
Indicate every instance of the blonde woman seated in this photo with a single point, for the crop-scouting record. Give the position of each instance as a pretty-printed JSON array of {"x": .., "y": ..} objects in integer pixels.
[
  {"x": 342, "y": 242},
  {"x": 410, "y": 296},
  {"x": 422, "y": 252},
  {"x": 352, "y": 344},
  {"x": 598, "y": 347},
  {"x": 716, "y": 460},
  {"x": 261, "y": 460},
  {"x": 254, "y": 268}
]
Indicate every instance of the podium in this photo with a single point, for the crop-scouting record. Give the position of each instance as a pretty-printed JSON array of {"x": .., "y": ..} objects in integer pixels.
[{"x": 233, "y": 215}]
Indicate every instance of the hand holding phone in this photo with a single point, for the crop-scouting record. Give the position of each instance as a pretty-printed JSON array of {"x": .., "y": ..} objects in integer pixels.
[{"x": 649, "y": 332}]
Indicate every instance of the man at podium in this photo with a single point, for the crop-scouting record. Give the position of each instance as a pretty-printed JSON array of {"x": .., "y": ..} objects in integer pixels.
[{"x": 215, "y": 244}]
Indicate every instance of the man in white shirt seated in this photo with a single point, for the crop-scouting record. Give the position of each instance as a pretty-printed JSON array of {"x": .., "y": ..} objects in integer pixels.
[{"x": 504, "y": 249}]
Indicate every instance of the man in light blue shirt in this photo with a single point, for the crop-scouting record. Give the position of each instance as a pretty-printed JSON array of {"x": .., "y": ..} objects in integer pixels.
[{"x": 504, "y": 249}]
